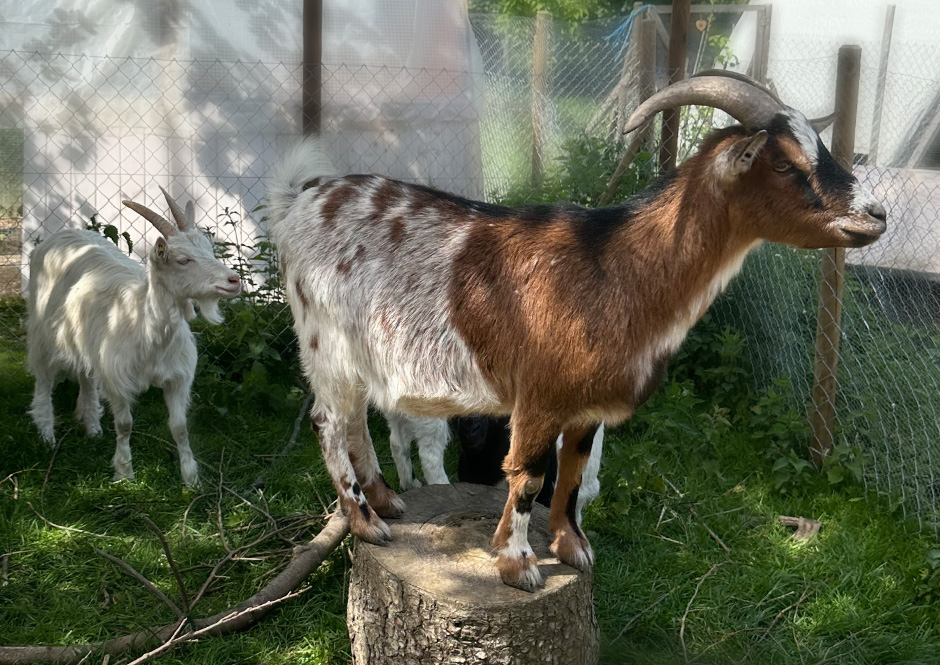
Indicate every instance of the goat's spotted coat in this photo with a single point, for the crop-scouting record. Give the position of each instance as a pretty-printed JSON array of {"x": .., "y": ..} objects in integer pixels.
[{"x": 427, "y": 303}]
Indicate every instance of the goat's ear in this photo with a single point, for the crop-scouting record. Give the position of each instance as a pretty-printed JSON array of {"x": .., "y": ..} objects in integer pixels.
[
  {"x": 739, "y": 158},
  {"x": 160, "y": 250}
]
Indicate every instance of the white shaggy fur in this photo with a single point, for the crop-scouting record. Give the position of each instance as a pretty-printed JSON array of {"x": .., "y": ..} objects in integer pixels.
[
  {"x": 431, "y": 435},
  {"x": 118, "y": 328}
]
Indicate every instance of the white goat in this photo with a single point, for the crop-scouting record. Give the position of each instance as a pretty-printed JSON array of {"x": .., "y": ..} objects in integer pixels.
[{"x": 119, "y": 328}]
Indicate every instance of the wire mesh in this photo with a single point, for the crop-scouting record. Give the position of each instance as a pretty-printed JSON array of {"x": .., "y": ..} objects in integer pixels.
[{"x": 78, "y": 133}]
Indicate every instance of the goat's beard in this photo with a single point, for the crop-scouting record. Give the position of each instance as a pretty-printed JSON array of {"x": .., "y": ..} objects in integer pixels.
[{"x": 209, "y": 308}]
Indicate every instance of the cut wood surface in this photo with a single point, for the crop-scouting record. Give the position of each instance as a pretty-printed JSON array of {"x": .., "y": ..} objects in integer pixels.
[{"x": 433, "y": 594}]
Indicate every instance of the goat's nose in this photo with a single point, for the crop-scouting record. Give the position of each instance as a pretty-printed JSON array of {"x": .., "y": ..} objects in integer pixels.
[
  {"x": 877, "y": 211},
  {"x": 234, "y": 279}
]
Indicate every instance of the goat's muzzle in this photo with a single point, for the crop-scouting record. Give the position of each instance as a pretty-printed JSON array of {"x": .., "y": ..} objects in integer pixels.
[{"x": 865, "y": 229}]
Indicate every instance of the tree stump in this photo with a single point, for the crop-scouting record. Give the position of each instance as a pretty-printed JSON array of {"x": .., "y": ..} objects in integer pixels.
[{"x": 433, "y": 594}]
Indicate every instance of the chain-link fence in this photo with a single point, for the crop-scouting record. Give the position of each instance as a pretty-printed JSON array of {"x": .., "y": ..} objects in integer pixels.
[{"x": 78, "y": 133}]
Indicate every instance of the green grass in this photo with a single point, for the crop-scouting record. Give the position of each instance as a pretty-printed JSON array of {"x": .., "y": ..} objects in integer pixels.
[{"x": 700, "y": 456}]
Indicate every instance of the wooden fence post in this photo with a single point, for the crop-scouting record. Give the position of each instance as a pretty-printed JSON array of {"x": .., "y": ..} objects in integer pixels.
[
  {"x": 539, "y": 85},
  {"x": 313, "y": 57},
  {"x": 645, "y": 31},
  {"x": 832, "y": 266},
  {"x": 678, "y": 47}
]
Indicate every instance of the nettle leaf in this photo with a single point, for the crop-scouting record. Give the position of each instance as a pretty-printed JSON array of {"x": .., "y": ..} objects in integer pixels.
[{"x": 111, "y": 233}]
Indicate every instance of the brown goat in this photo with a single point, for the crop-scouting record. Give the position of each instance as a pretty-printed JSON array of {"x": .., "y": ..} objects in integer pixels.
[{"x": 426, "y": 303}]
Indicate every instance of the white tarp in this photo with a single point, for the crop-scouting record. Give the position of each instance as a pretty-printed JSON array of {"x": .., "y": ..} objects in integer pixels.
[{"x": 116, "y": 98}]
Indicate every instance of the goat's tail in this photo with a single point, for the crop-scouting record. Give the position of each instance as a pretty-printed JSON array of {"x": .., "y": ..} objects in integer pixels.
[{"x": 304, "y": 162}]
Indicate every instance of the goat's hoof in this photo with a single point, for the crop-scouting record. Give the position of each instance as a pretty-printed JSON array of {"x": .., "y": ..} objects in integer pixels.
[
  {"x": 521, "y": 572},
  {"x": 412, "y": 484},
  {"x": 122, "y": 475},
  {"x": 94, "y": 430},
  {"x": 48, "y": 435},
  {"x": 366, "y": 525},
  {"x": 573, "y": 550},
  {"x": 384, "y": 501},
  {"x": 393, "y": 509}
]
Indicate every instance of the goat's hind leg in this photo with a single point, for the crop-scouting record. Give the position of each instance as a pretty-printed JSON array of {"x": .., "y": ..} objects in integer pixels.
[
  {"x": 332, "y": 426},
  {"x": 381, "y": 496},
  {"x": 399, "y": 440},
  {"x": 533, "y": 441},
  {"x": 570, "y": 544},
  {"x": 88, "y": 410},
  {"x": 41, "y": 410}
]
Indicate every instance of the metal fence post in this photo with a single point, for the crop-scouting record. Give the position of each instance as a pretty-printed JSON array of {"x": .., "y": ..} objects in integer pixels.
[
  {"x": 880, "y": 89},
  {"x": 646, "y": 86},
  {"x": 540, "y": 66},
  {"x": 312, "y": 61},
  {"x": 832, "y": 267},
  {"x": 678, "y": 46}
]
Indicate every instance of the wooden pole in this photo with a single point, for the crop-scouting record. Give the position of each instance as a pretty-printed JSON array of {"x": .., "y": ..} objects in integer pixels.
[
  {"x": 678, "y": 45},
  {"x": 645, "y": 32},
  {"x": 880, "y": 89},
  {"x": 832, "y": 267},
  {"x": 762, "y": 47},
  {"x": 312, "y": 65},
  {"x": 542, "y": 26}
]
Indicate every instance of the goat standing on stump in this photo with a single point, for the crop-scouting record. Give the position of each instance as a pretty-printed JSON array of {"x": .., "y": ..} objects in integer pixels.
[
  {"x": 97, "y": 315},
  {"x": 430, "y": 304}
]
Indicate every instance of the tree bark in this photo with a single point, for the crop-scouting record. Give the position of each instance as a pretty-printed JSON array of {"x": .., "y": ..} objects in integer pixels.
[{"x": 433, "y": 595}]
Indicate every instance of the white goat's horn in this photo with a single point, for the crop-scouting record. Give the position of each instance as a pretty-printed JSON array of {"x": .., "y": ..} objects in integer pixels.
[
  {"x": 178, "y": 213},
  {"x": 162, "y": 223},
  {"x": 748, "y": 103}
]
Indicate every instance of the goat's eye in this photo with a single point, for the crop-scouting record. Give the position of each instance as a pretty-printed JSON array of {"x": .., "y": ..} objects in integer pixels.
[
  {"x": 782, "y": 167},
  {"x": 183, "y": 262}
]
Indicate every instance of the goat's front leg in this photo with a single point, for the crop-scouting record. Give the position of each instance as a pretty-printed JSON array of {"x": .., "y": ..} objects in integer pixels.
[
  {"x": 123, "y": 423},
  {"x": 176, "y": 395},
  {"x": 331, "y": 427},
  {"x": 570, "y": 544},
  {"x": 381, "y": 496},
  {"x": 533, "y": 442}
]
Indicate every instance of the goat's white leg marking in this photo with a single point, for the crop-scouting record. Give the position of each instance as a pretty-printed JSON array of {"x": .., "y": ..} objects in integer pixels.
[
  {"x": 431, "y": 447},
  {"x": 400, "y": 442},
  {"x": 123, "y": 423},
  {"x": 88, "y": 409},
  {"x": 590, "y": 483},
  {"x": 176, "y": 396},
  {"x": 41, "y": 409}
]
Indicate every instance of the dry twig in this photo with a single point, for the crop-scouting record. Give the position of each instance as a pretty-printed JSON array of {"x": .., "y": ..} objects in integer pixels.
[
  {"x": 685, "y": 615},
  {"x": 184, "y": 597},
  {"x": 244, "y": 615},
  {"x": 150, "y": 586}
]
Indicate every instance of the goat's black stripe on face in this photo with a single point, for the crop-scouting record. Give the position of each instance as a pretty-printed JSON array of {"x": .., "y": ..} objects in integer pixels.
[{"x": 831, "y": 177}]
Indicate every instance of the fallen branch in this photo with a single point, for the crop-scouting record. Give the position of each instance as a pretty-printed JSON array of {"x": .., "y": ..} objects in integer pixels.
[
  {"x": 806, "y": 529},
  {"x": 306, "y": 559}
]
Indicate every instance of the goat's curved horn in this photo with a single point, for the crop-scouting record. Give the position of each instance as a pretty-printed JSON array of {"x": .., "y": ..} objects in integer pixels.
[
  {"x": 163, "y": 225},
  {"x": 178, "y": 213},
  {"x": 747, "y": 103},
  {"x": 737, "y": 76},
  {"x": 819, "y": 124}
]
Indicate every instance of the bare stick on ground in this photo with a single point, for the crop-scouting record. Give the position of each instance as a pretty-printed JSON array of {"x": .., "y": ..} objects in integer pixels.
[{"x": 245, "y": 614}]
